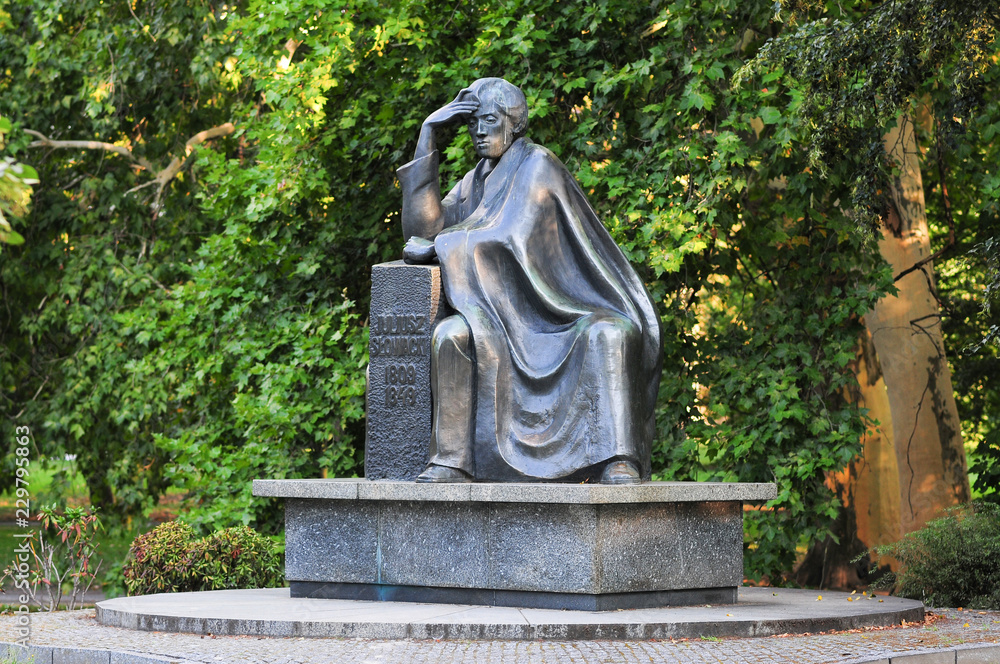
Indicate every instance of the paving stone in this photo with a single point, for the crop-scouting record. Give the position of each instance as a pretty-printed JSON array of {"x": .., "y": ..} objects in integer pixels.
[
  {"x": 139, "y": 658},
  {"x": 80, "y": 629},
  {"x": 81, "y": 656},
  {"x": 977, "y": 656},
  {"x": 16, "y": 653}
]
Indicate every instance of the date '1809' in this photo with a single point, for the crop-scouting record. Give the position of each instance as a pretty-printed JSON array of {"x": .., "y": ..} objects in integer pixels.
[{"x": 401, "y": 374}]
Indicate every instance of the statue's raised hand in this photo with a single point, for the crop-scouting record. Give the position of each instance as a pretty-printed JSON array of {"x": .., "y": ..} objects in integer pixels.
[{"x": 457, "y": 110}]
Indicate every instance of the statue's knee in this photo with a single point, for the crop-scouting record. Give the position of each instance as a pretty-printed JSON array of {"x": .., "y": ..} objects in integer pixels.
[
  {"x": 613, "y": 332},
  {"x": 453, "y": 330}
]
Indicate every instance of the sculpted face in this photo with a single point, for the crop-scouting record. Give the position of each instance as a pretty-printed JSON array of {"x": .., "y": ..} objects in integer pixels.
[{"x": 490, "y": 129}]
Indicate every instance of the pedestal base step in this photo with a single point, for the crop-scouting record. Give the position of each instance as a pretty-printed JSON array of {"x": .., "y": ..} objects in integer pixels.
[
  {"x": 520, "y": 598},
  {"x": 271, "y": 612}
]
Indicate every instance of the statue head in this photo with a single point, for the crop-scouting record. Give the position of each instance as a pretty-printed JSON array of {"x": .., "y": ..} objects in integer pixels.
[{"x": 502, "y": 116}]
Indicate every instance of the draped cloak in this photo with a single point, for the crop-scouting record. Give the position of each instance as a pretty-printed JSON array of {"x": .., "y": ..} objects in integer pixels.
[{"x": 565, "y": 337}]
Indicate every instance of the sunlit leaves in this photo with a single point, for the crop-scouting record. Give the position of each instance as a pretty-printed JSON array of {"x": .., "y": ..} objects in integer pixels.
[{"x": 227, "y": 341}]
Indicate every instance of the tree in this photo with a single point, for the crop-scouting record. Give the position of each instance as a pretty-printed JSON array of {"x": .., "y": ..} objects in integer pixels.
[
  {"x": 866, "y": 75},
  {"x": 94, "y": 249}
]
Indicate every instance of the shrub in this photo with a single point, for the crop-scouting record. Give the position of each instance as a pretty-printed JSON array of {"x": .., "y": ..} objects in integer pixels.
[
  {"x": 235, "y": 558},
  {"x": 56, "y": 562},
  {"x": 952, "y": 561},
  {"x": 170, "y": 559},
  {"x": 156, "y": 560}
]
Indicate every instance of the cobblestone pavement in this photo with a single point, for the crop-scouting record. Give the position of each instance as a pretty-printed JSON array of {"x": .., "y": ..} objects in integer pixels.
[{"x": 946, "y": 629}]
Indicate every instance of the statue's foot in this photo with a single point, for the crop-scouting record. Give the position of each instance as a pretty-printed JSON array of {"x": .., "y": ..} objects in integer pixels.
[
  {"x": 620, "y": 472},
  {"x": 436, "y": 473}
]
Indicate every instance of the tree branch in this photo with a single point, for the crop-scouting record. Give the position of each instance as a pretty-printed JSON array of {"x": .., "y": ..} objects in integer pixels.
[
  {"x": 44, "y": 141},
  {"x": 163, "y": 177},
  {"x": 141, "y": 186},
  {"x": 145, "y": 28},
  {"x": 208, "y": 134},
  {"x": 177, "y": 164}
]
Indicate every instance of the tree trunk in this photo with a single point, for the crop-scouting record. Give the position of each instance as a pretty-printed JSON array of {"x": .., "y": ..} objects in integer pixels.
[
  {"x": 906, "y": 333},
  {"x": 913, "y": 466},
  {"x": 868, "y": 489},
  {"x": 874, "y": 476}
]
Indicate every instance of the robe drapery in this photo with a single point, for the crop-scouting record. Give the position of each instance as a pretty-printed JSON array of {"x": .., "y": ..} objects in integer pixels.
[{"x": 566, "y": 339}]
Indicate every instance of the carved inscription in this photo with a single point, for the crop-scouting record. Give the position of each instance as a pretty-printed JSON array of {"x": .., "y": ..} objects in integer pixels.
[
  {"x": 400, "y": 336},
  {"x": 395, "y": 335},
  {"x": 398, "y": 324},
  {"x": 400, "y": 380}
]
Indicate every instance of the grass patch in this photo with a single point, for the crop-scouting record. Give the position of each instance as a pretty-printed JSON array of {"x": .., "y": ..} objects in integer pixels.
[
  {"x": 59, "y": 482},
  {"x": 50, "y": 481}
]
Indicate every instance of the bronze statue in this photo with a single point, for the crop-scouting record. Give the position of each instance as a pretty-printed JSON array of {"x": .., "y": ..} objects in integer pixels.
[{"x": 550, "y": 367}]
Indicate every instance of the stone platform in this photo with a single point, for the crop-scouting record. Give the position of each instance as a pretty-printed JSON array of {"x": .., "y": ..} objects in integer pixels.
[
  {"x": 273, "y": 612},
  {"x": 553, "y": 546}
]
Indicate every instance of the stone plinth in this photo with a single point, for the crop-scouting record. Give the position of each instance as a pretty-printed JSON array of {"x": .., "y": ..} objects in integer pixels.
[
  {"x": 407, "y": 302},
  {"x": 272, "y": 612},
  {"x": 584, "y": 547}
]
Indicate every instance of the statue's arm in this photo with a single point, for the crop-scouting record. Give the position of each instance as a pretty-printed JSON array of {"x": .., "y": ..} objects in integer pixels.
[
  {"x": 423, "y": 210},
  {"x": 424, "y": 213}
]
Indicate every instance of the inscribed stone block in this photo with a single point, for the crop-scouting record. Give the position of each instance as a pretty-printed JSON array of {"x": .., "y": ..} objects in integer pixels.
[{"x": 407, "y": 302}]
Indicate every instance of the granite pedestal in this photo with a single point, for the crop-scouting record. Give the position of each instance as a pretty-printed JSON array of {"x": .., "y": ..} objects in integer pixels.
[{"x": 564, "y": 546}]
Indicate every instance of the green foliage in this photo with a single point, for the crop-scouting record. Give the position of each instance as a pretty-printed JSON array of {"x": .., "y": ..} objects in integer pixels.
[
  {"x": 986, "y": 467},
  {"x": 15, "y": 189},
  {"x": 156, "y": 562},
  {"x": 952, "y": 561},
  {"x": 222, "y": 336},
  {"x": 59, "y": 561},
  {"x": 170, "y": 559},
  {"x": 164, "y": 345},
  {"x": 860, "y": 68},
  {"x": 236, "y": 558}
]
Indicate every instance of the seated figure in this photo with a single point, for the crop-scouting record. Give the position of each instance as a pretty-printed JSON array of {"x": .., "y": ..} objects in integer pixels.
[{"x": 550, "y": 367}]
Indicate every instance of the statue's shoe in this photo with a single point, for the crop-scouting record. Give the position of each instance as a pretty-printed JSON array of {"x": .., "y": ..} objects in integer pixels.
[
  {"x": 436, "y": 473},
  {"x": 620, "y": 472}
]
